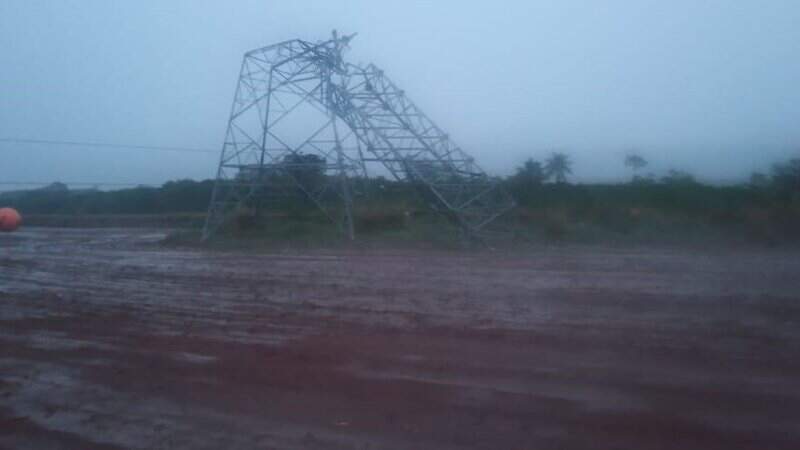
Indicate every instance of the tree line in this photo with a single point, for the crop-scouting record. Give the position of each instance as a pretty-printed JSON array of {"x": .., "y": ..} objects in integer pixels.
[{"x": 542, "y": 190}]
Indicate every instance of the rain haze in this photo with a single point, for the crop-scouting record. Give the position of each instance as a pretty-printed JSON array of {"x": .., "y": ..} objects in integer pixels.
[
  {"x": 708, "y": 87},
  {"x": 428, "y": 225}
]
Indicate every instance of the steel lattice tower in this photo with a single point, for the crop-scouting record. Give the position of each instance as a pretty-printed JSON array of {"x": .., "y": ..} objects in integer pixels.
[{"x": 305, "y": 120}]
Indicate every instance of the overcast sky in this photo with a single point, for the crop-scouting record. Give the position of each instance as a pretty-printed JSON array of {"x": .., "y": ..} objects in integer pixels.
[{"x": 712, "y": 87}]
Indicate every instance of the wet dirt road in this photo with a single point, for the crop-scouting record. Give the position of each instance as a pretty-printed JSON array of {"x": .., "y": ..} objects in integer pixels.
[{"x": 109, "y": 340}]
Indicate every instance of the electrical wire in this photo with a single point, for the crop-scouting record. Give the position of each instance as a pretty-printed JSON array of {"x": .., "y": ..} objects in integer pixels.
[
  {"x": 69, "y": 183},
  {"x": 106, "y": 145},
  {"x": 94, "y": 145}
]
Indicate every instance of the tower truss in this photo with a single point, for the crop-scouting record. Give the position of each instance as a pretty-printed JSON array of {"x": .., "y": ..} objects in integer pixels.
[{"x": 303, "y": 120}]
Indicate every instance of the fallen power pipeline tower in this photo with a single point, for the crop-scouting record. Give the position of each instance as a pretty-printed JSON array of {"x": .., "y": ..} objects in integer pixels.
[{"x": 304, "y": 120}]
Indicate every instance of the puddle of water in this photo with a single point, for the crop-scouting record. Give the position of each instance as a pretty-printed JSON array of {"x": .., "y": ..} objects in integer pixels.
[{"x": 195, "y": 358}]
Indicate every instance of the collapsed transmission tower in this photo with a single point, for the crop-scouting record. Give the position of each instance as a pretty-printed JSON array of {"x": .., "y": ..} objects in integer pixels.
[{"x": 305, "y": 121}]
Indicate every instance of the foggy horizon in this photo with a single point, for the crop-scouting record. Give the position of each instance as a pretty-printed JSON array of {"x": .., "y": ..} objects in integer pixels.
[{"x": 708, "y": 89}]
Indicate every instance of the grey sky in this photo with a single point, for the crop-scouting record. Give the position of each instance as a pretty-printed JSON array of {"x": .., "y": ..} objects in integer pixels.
[{"x": 706, "y": 86}]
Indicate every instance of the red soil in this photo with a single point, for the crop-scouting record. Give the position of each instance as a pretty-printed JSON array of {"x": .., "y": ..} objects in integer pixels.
[{"x": 109, "y": 341}]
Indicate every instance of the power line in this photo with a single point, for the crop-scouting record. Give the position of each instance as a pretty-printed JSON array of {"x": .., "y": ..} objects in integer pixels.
[
  {"x": 71, "y": 183},
  {"x": 7, "y": 187},
  {"x": 106, "y": 145}
]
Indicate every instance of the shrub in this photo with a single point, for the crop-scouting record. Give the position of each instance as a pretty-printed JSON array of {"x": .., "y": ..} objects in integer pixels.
[
  {"x": 377, "y": 221},
  {"x": 555, "y": 226}
]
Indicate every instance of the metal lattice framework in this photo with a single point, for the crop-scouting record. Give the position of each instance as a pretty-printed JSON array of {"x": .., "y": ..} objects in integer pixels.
[{"x": 305, "y": 121}]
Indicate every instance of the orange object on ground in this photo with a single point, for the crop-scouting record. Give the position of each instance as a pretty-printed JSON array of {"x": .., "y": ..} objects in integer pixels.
[{"x": 10, "y": 219}]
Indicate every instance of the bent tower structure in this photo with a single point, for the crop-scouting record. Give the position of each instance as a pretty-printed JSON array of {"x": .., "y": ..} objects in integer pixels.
[{"x": 304, "y": 120}]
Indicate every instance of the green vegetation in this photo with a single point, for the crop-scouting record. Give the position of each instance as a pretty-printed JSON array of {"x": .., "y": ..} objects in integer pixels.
[
  {"x": 675, "y": 207},
  {"x": 557, "y": 167},
  {"x": 183, "y": 196}
]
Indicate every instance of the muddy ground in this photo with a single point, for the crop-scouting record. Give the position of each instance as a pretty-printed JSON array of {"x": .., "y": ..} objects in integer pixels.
[{"x": 110, "y": 341}]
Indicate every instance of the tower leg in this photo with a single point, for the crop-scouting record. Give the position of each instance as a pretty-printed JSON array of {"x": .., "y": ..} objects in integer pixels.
[{"x": 348, "y": 227}]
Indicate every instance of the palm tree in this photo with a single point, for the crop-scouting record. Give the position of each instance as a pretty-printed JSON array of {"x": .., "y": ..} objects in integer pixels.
[
  {"x": 558, "y": 166},
  {"x": 530, "y": 173},
  {"x": 635, "y": 162}
]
